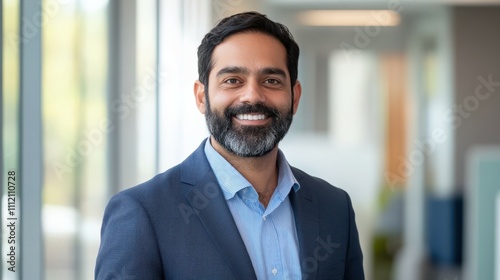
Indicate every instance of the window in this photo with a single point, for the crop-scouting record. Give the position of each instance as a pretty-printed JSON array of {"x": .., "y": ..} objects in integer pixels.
[{"x": 74, "y": 100}]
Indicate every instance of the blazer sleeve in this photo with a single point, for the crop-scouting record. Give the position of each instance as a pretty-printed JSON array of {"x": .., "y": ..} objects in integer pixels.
[
  {"x": 128, "y": 247},
  {"x": 354, "y": 261}
]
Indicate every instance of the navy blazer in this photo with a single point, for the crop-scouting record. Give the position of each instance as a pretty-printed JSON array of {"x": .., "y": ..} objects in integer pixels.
[{"x": 178, "y": 226}]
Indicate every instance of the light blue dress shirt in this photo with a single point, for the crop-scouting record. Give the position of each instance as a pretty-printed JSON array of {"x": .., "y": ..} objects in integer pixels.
[{"x": 269, "y": 233}]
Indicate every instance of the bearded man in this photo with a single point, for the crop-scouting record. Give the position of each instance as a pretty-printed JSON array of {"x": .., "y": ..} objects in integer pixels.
[{"x": 235, "y": 208}]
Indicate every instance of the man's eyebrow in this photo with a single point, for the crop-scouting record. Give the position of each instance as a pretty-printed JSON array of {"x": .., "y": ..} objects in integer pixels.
[
  {"x": 242, "y": 70},
  {"x": 232, "y": 70},
  {"x": 273, "y": 71}
]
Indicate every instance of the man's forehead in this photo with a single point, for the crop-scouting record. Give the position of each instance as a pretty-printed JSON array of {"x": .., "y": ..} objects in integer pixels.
[
  {"x": 249, "y": 52},
  {"x": 250, "y": 42}
]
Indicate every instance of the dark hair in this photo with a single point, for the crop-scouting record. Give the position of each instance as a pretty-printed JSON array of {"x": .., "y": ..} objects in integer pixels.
[{"x": 243, "y": 22}]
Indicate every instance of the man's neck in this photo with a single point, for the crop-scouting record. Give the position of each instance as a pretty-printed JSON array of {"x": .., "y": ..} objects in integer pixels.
[{"x": 261, "y": 172}]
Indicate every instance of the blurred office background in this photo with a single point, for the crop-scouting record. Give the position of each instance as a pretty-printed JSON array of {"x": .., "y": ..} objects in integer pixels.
[{"x": 400, "y": 107}]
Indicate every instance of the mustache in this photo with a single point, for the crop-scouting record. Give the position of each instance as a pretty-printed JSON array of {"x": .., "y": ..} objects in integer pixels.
[{"x": 251, "y": 109}]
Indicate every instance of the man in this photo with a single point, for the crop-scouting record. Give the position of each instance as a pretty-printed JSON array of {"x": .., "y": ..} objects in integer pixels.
[{"x": 235, "y": 209}]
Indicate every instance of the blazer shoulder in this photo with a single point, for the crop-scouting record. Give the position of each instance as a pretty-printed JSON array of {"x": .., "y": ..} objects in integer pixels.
[
  {"x": 170, "y": 185},
  {"x": 159, "y": 181}
]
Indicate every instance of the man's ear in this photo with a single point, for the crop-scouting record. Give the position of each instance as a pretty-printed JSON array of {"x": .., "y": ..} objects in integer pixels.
[
  {"x": 199, "y": 96},
  {"x": 297, "y": 92}
]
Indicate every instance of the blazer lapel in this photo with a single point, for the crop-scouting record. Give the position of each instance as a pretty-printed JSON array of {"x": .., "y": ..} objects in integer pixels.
[
  {"x": 204, "y": 194},
  {"x": 306, "y": 222}
]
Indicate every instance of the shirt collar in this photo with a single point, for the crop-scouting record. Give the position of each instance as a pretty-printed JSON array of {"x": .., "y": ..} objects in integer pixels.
[{"x": 231, "y": 181}]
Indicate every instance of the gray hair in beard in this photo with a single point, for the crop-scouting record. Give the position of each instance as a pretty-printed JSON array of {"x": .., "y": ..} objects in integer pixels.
[{"x": 248, "y": 141}]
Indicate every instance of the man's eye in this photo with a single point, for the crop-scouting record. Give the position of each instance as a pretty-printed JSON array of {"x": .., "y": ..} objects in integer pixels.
[
  {"x": 272, "y": 81},
  {"x": 231, "y": 81}
]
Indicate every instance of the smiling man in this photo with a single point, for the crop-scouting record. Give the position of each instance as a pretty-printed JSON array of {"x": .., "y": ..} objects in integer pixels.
[{"x": 235, "y": 208}]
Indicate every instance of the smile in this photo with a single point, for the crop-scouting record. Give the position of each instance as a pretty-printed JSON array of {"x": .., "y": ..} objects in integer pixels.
[{"x": 250, "y": 117}]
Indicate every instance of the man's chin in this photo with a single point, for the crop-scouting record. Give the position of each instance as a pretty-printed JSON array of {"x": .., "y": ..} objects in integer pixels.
[
  {"x": 252, "y": 155},
  {"x": 249, "y": 146}
]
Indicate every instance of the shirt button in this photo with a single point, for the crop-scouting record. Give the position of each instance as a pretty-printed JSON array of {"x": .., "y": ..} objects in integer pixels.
[
  {"x": 274, "y": 271},
  {"x": 264, "y": 218}
]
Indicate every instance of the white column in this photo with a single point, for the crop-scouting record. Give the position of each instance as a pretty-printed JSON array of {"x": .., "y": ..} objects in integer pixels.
[{"x": 181, "y": 126}]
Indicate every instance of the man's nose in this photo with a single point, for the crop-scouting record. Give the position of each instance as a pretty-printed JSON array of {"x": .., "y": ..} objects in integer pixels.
[{"x": 252, "y": 93}]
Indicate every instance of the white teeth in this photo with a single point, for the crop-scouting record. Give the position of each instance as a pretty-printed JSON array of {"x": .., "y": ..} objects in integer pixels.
[{"x": 250, "y": 117}]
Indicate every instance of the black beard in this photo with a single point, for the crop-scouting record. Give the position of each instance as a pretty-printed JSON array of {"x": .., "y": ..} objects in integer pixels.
[{"x": 248, "y": 141}]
